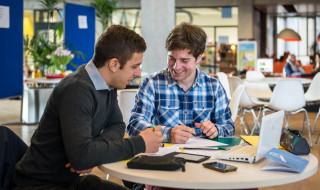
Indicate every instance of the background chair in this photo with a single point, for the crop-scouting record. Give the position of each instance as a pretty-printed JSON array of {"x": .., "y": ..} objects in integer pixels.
[
  {"x": 256, "y": 87},
  {"x": 235, "y": 101},
  {"x": 313, "y": 96},
  {"x": 223, "y": 78},
  {"x": 126, "y": 102},
  {"x": 247, "y": 104},
  {"x": 288, "y": 95},
  {"x": 254, "y": 75}
]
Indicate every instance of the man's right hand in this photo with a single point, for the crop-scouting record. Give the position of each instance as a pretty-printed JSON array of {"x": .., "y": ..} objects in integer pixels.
[
  {"x": 180, "y": 134},
  {"x": 152, "y": 139}
]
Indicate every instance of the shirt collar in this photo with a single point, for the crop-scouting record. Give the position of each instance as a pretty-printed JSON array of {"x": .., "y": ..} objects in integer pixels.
[
  {"x": 172, "y": 82},
  {"x": 96, "y": 78}
]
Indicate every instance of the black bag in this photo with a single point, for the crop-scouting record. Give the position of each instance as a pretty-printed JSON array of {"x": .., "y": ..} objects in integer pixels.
[
  {"x": 293, "y": 141},
  {"x": 166, "y": 163}
]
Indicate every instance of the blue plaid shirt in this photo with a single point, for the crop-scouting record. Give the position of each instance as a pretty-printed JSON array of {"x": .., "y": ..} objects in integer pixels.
[{"x": 162, "y": 101}]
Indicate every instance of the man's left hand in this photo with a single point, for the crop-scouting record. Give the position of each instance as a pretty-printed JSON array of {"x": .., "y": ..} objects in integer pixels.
[
  {"x": 79, "y": 172},
  {"x": 208, "y": 128}
]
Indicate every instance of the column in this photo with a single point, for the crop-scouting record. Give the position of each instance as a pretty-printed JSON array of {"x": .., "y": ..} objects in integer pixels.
[{"x": 157, "y": 20}]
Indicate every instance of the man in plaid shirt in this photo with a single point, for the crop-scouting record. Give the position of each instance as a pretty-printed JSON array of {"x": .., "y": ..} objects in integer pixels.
[{"x": 184, "y": 100}]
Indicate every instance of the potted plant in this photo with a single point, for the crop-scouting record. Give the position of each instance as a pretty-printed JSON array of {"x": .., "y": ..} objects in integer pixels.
[
  {"x": 104, "y": 9},
  {"x": 38, "y": 48}
]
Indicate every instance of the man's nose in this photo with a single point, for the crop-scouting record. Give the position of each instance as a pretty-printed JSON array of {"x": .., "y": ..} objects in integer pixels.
[
  {"x": 176, "y": 65},
  {"x": 137, "y": 73}
]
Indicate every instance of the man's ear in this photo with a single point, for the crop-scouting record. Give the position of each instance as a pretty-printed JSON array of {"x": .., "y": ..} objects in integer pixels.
[
  {"x": 113, "y": 64},
  {"x": 199, "y": 58}
]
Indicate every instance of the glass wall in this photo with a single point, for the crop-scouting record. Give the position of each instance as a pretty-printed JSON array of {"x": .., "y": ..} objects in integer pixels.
[{"x": 306, "y": 28}]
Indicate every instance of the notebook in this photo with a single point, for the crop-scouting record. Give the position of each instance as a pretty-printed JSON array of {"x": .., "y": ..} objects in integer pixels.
[{"x": 269, "y": 138}]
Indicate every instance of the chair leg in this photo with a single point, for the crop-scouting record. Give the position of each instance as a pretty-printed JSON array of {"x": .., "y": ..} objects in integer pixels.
[
  {"x": 287, "y": 121},
  {"x": 308, "y": 124},
  {"x": 256, "y": 120},
  {"x": 241, "y": 117},
  {"x": 315, "y": 122}
]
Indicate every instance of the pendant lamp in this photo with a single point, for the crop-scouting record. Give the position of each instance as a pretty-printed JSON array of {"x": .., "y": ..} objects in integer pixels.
[{"x": 289, "y": 35}]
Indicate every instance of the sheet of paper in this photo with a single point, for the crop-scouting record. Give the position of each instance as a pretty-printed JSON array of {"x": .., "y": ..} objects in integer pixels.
[
  {"x": 165, "y": 150},
  {"x": 4, "y": 17},
  {"x": 82, "y": 22},
  {"x": 199, "y": 142},
  {"x": 253, "y": 140},
  {"x": 192, "y": 142}
]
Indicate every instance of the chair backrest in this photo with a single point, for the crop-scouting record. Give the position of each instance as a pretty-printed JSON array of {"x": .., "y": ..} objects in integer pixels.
[
  {"x": 12, "y": 148},
  {"x": 126, "y": 103},
  {"x": 235, "y": 101},
  {"x": 288, "y": 95},
  {"x": 245, "y": 100},
  {"x": 313, "y": 92},
  {"x": 223, "y": 78},
  {"x": 254, "y": 75}
]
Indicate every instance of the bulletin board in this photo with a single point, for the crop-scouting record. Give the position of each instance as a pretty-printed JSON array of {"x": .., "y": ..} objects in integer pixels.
[
  {"x": 247, "y": 55},
  {"x": 79, "y": 31},
  {"x": 11, "y": 49}
]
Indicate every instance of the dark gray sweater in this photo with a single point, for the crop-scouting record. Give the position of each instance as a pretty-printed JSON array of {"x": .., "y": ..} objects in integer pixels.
[{"x": 80, "y": 125}]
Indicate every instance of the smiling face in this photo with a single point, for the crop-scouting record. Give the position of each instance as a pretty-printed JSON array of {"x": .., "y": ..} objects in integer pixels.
[
  {"x": 122, "y": 77},
  {"x": 182, "y": 66}
]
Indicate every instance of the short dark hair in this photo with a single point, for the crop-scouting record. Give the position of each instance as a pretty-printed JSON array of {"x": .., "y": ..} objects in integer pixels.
[
  {"x": 117, "y": 42},
  {"x": 187, "y": 36}
]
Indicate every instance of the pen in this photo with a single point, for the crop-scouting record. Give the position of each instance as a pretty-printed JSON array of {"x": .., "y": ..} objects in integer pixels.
[
  {"x": 180, "y": 123},
  {"x": 202, "y": 148}
]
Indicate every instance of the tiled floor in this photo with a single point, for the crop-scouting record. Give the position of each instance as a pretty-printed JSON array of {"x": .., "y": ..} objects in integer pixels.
[{"x": 10, "y": 113}]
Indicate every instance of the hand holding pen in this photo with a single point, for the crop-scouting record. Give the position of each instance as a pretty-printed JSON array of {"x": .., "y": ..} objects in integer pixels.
[
  {"x": 181, "y": 133},
  {"x": 152, "y": 138}
]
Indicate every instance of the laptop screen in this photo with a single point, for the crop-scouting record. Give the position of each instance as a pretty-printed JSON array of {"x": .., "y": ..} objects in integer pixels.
[
  {"x": 264, "y": 65},
  {"x": 270, "y": 133}
]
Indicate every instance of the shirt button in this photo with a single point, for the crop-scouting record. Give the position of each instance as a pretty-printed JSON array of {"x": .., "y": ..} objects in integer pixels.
[{"x": 185, "y": 112}]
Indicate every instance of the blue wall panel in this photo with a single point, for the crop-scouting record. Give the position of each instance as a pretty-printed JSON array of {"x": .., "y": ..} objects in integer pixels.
[
  {"x": 11, "y": 51},
  {"x": 79, "y": 39}
]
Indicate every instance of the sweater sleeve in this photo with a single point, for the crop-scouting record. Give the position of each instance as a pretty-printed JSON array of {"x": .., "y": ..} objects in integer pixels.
[{"x": 77, "y": 108}]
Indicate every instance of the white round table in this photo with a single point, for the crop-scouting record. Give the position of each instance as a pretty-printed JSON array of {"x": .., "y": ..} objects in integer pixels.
[
  {"x": 198, "y": 177},
  {"x": 275, "y": 80}
]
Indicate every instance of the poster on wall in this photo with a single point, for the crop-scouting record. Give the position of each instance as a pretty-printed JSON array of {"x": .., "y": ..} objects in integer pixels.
[{"x": 247, "y": 55}]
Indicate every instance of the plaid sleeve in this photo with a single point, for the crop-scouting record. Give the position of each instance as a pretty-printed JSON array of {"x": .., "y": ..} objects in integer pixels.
[
  {"x": 143, "y": 109},
  {"x": 221, "y": 116}
]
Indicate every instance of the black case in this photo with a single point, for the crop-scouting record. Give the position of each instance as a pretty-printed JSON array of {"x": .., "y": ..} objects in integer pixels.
[{"x": 167, "y": 163}]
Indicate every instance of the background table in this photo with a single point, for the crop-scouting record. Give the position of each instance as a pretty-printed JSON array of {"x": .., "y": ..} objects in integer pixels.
[
  {"x": 36, "y": 92},
  {"x": 275, "y": 80},
  {"x": 198, "y": 177}
]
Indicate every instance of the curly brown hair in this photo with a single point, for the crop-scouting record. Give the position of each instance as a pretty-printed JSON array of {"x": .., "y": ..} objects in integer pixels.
[
  {"x": 187, "y": 36},
  {"x": 117, "y": 42}
]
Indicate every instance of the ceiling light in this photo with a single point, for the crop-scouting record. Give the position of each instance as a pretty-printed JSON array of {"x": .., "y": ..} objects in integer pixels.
[{"x": 289, "y": 35}]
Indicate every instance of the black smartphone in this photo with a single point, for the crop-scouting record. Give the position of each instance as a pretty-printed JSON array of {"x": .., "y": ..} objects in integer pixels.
[
  {"x": 221, "y": 167},
  {"x": 189, "y": 157}
]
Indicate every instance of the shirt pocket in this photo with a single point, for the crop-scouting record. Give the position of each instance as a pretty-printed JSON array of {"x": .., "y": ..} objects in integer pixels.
[
  {"x": 168, "y": 112},
  {"x": 202, "y": 111}
]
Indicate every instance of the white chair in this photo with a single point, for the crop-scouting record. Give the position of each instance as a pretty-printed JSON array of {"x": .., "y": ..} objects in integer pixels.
[
  {"x": 254, "y": 75},
  {"x": 288, "y": 95},
  {"x": 256, "y": 87},
  {"x": 126, "y": 100},
  {"x": 247, "y": 104},
  {"x": 313, "y": 95},
  {"x": 223, "y": 78},
  {"x": 235, "y": 101}
]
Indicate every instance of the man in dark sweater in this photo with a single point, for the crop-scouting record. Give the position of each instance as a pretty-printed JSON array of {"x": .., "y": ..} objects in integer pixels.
[{"x": 82, "y": 125}]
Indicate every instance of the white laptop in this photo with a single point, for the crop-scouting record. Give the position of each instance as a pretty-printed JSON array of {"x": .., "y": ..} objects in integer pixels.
[{"x": 269, "y": 138}]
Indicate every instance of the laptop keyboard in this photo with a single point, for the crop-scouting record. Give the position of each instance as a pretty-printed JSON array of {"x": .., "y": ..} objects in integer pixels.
[{"x": 242, "y": 151}]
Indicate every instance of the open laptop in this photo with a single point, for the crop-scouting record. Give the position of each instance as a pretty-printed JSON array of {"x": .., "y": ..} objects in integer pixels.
[{"x": 269, "y": 138}]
